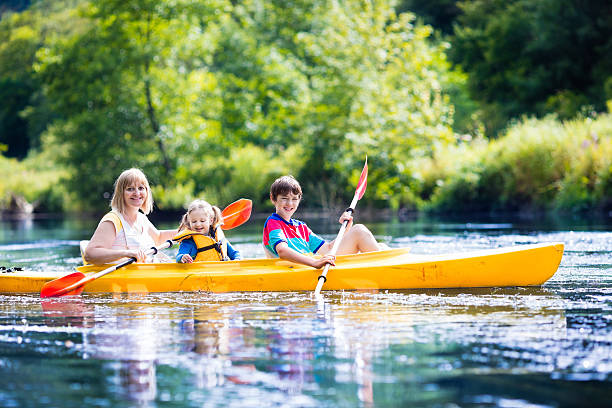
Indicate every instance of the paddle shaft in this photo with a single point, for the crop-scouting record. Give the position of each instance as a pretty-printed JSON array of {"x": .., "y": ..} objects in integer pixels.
[
  {"x": 94, "y": 276},
  {"x": 323, "y": 276}
]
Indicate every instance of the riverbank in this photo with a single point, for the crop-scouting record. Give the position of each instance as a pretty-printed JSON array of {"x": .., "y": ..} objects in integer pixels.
[
  {"x": 327, "y": 219},
  {"x": 539, "y": 165}
]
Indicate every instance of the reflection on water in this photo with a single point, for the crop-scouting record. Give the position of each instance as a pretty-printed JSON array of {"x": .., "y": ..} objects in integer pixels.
[
  {"x": 546, "y": 346},
  {"x": 364, "y": 349}
]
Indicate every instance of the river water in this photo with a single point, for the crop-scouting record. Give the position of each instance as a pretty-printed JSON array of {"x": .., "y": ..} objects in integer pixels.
[{"x": 548, "y": 346}]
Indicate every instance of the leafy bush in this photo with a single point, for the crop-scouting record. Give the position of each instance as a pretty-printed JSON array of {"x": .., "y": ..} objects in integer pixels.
[
  {"x": 247, "y": 173},
  {"x": 588, "y": 181},
  {"x": 35, "y": 181},
  {"x": 451, "y": 178},
  {"x": 537, "y": 165}
]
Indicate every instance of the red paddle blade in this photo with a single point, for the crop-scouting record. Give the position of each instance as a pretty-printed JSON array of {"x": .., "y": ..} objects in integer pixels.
[
  {"x": 237, "y": 213},
  {"x": 56, "y": 286},
  {"x": 363, "y": 180}
]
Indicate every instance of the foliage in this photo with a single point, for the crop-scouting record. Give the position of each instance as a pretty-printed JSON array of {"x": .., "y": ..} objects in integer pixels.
[
  {"x": 125, "y": 95},
  {"x": 536, "y": 165},
  {"x": 376, "y": 86},
  {"x": 251, "y": 170},
  {"x": 17, "y": 48},
  {"x": 24, "y": 114},
  {"x": 167, "y": 86},
  {"x": 587, "y": 182},
  {"x": 441, "y": 14},
  {"x": 525, "y": 57},
  {"x": 37, "y": 181},
  {"x": 215, "y": 99}
]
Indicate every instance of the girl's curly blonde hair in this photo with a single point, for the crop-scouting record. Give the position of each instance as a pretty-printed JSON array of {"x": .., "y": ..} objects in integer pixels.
[{"x": 216, "y": 219}]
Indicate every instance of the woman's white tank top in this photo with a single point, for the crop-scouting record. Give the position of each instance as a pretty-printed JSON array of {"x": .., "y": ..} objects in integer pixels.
[{"x": 134, "y": 236}]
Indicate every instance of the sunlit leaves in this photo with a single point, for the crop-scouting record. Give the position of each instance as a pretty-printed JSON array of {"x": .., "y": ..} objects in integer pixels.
[{"x": 168, "y": 85}]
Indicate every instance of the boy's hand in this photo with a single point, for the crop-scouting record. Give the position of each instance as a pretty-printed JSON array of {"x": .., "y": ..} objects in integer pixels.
[
  {"x": 346, "y": 216},
  {"x": 186, "y": 258},
  {"x": 324, "y": 260},
  {"x": 284, "y": 252}
]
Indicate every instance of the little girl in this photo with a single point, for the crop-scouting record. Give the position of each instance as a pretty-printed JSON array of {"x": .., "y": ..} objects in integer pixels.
[{"x": 201, "y": 236}]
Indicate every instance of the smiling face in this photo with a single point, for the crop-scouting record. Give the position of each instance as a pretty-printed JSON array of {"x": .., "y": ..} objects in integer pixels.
[
  {"x": 199, "y": 220},
  {"x": 131, "y": 182},
  {"x": 286, "y": 204},
  {"x": 135, "y": 195}
]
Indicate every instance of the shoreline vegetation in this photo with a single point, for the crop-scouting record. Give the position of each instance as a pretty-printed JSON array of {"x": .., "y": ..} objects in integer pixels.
[
  {"x": 465, "y": 106},
  {"x": 538, "y": 165}
]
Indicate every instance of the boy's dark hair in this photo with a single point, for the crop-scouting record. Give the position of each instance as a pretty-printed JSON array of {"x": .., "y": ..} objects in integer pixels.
[{"x": 285, "y": 185}]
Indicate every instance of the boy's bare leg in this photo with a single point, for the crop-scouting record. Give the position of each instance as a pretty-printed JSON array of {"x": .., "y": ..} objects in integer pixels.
[{"x": 359, "y": 239}]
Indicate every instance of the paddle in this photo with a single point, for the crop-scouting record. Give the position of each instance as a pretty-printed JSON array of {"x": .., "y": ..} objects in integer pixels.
[
  {"x": 361, "y": 187},
  {"x": 74, "y": 283},
  {"x": 235, "y": 214}
]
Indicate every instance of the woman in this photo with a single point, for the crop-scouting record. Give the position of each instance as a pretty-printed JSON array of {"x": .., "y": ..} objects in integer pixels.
[{"x": 126, "y": 232}]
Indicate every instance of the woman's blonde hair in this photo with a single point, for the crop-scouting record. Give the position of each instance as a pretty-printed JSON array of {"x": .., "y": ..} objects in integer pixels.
[
  {"x": 211, "y": 210},
  {"x": 128, "y": 178}
]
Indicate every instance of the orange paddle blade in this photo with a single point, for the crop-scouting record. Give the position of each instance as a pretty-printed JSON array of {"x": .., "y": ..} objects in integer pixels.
[
  {"x": 363, "y": 180},
  {"x": 57, "y": 286},
  {"x": 237, "y": 213}
]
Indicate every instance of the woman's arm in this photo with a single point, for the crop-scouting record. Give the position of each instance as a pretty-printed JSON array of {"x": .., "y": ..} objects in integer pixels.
[
  {"x": 99, "y": 250},
  {"x": 160, "y": 236}
]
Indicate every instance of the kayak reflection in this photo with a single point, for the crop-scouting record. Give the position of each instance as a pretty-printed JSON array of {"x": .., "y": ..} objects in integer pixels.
[
  {"x": 126, "y": 341},
  {"x": 203, "y": 345},
  {"x": 68, "y": 311}
]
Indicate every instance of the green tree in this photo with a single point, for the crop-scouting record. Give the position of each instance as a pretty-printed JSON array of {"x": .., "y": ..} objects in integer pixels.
[
  {"x": 188, "y": 91},
  {"x": 123, "y": 88},
  {"x": 525, "y": 57},
  {"x": 441, "y": 14},
  {"x": 375, "y": 85},
  {"x": 19, "y": 38},
  {"x": 24, "y": 114}
]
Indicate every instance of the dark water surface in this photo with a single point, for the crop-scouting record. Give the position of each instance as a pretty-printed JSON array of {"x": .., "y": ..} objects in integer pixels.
[{"x": 548, "y": 346}]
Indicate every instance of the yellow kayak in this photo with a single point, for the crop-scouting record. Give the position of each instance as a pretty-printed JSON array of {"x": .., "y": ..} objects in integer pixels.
[{"x": 524, "y": 265}]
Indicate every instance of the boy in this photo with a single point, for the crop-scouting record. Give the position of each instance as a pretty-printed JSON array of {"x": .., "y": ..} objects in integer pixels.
[{"x": 292, "y": 240}]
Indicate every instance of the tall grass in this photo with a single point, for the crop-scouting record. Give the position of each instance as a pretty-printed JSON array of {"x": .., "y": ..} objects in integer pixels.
[
  {"x": 34, "y": 182},
  {"x": 537, "y": 165}
]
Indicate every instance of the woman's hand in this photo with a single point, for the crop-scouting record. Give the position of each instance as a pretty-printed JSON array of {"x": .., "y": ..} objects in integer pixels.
[
  {"x": 139, "y": 254},
  {"x": 186, "y": 259}
]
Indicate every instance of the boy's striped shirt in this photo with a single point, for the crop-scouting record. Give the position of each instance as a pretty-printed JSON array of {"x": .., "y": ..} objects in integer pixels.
[{"x": 295, "y": 233}]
